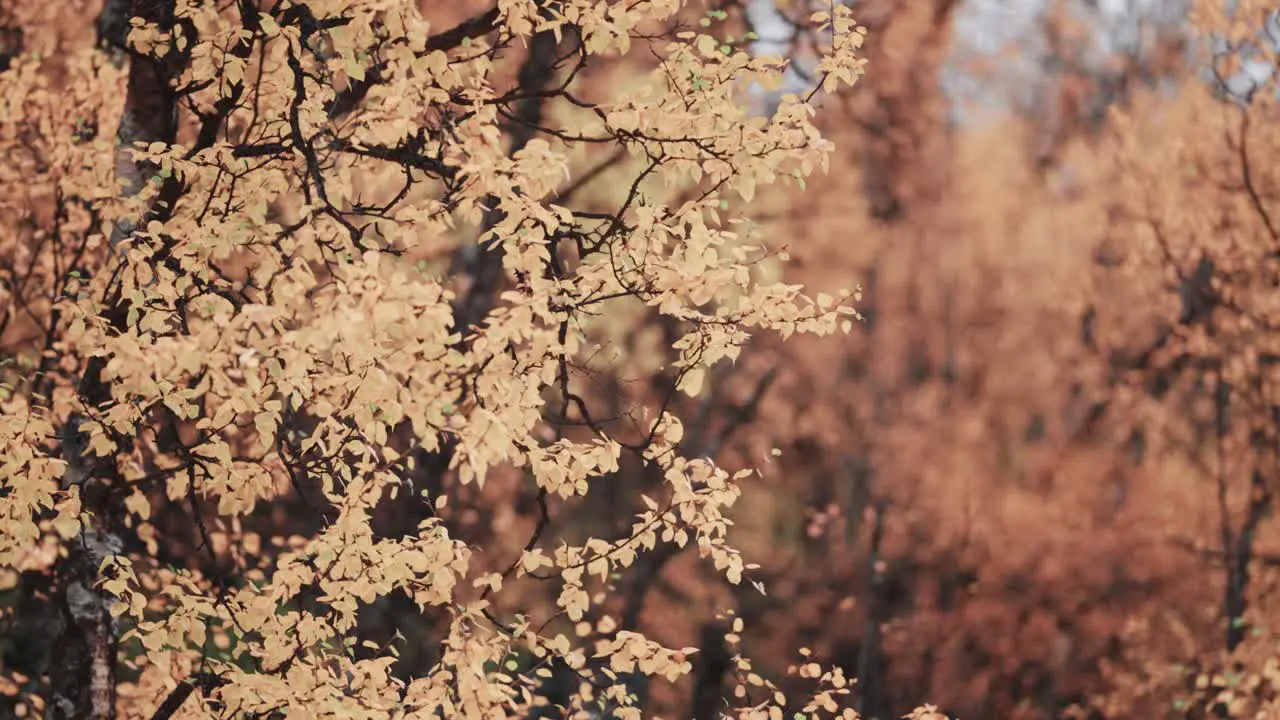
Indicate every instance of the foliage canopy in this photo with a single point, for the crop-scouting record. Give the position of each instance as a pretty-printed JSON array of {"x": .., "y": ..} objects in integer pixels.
[{"x": 342, "y": 263}]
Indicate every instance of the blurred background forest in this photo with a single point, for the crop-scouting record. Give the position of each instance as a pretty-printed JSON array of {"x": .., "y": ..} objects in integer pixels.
[{"x": 1037, "y": 480}]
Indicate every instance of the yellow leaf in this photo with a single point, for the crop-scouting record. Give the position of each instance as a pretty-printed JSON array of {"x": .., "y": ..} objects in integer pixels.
[{"x": 691, "y": 383}]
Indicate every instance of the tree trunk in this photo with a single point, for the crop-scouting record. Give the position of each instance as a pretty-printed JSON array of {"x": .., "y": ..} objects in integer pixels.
[{"x": 82, "y": 675}]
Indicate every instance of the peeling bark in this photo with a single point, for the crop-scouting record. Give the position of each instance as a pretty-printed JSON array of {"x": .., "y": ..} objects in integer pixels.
[{"x": 82, "y": 673}]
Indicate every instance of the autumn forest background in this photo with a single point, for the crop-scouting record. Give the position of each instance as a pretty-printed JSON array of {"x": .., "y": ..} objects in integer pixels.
[{"x": 1035, "y": 478}]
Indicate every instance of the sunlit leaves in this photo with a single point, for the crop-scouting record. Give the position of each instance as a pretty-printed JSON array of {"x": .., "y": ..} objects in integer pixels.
[{"x": 285, "y": 324}]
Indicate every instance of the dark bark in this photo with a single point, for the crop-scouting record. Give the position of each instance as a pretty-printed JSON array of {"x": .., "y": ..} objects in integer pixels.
[
  {"x": 469, "y": 29},
  {"x": 700, "y": 443},
  {"x": 202, "y": 681},
  {"x": 484, "y": 266},
  {"x": 10, "y": 45},
  {"x": 150, "y": 107},
  {"x": 710, "y": 666},
  {"x": 82, "y": 673},
  {"x": 873, "y": 698},
  {"x": 1241, "y": 558}
]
